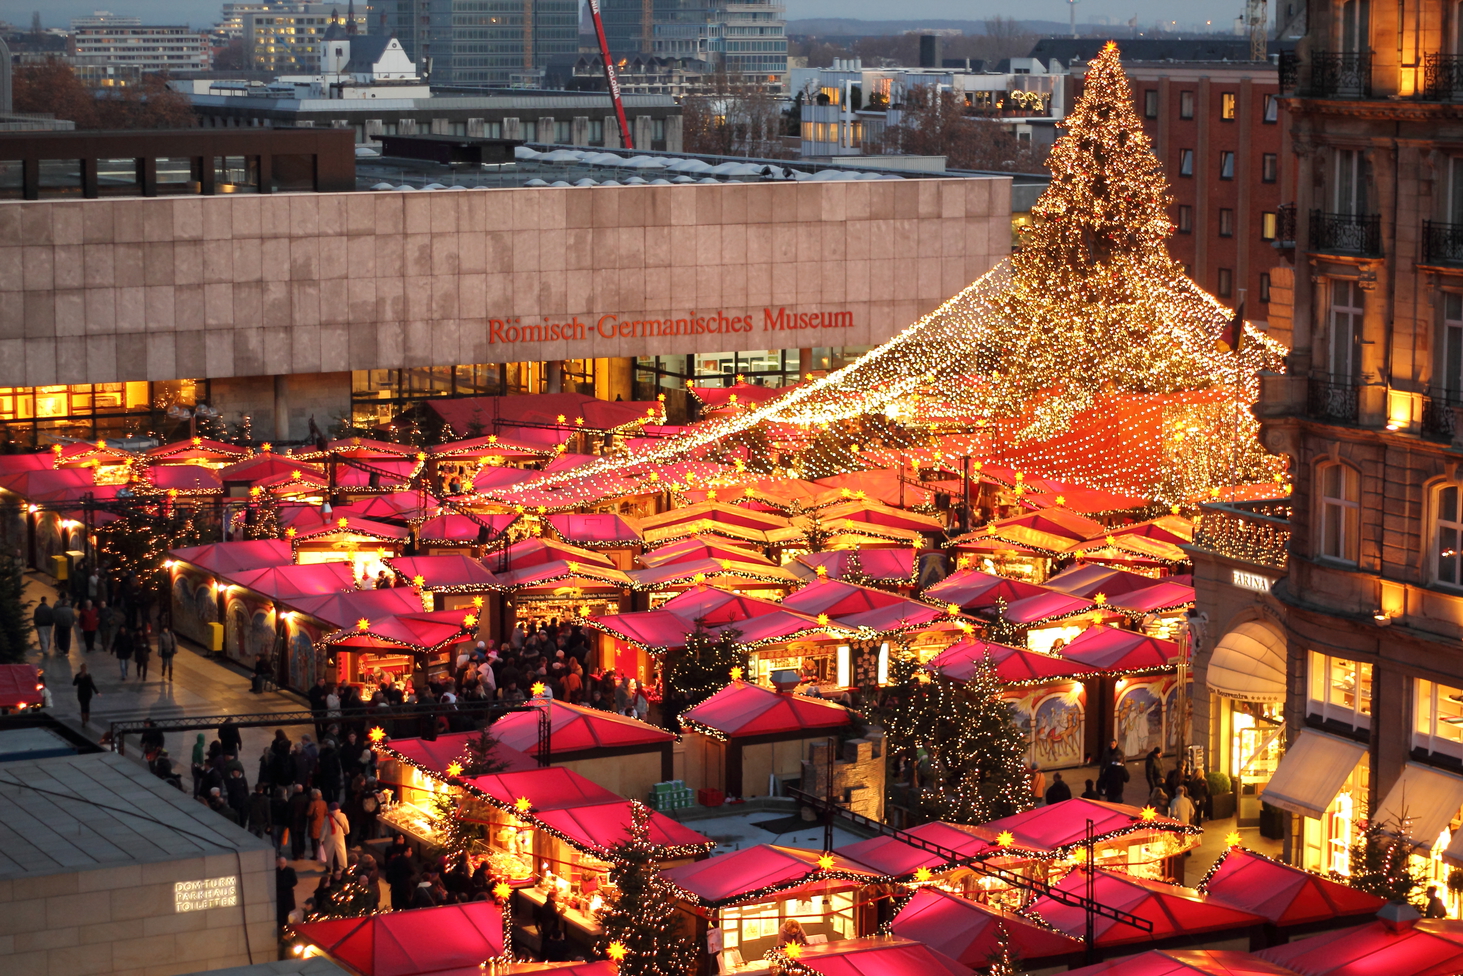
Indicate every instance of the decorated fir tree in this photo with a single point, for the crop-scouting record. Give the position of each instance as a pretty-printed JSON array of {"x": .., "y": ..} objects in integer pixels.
[
  {"x": 1004, "y": 960},
  {"x": 641, "y": 929},
  {"x": 15, "y": 612},
  {"x": 699, "y": 670},
  {"x": 479, "y": 757},
  {"x": 266, "y": 517},
  {"x": 1381, "y": 862},
  {"x": 455, "y": 836}
]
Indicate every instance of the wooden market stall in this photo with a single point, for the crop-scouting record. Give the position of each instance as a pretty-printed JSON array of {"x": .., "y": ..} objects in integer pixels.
[
  {"x": 621, "y": 754},
  {"x": 401, "y": 647}
]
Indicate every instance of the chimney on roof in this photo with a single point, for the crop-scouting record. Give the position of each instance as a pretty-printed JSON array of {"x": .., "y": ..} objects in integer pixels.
[{"x": 786, "y": 680}]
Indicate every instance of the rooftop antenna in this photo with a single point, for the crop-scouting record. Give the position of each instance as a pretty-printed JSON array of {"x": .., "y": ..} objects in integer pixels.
[{"x": 1072, "y": 7}]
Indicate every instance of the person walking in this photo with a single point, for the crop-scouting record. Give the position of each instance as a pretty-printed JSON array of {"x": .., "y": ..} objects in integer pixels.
[
  {"x": 279, "y": 817},
  {"x": 109, "y": 618},
  {"x": 64, "y": 618},
  {"x": 1058, "y": 791},
  {"x": 122, "y": 647},
  {"x": 285, "y": 880},
  {"x": 200, "y": 771},
  {"x": 332, "y": 838},
  {"x": 90, "y": 620},
  {"x": 1182, "y": 808},
  {"x": 261, "y": 820},
  {"x": 299, "y": 821},
  {"x": 316, "y": 814},
  {"x": 141, "y": 653},
  {"x": 86, "y": 690},
  {"x": 42, "y": 620},
  {"x": 167, "y": 647}
]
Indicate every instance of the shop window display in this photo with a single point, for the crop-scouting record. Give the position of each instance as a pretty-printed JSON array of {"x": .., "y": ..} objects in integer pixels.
[{"x": 1340, "y": 690}]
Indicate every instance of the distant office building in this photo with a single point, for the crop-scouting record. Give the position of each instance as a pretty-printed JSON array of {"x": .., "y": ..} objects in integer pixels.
[
  {"x": 639, "y": 74},
  {"x": 105, "y": 18},
  {"x": 232, "y": 24},
  {"x": 494, "y": 43},
  {"x": 142, "y": 48},
  {"x": 285, "y": 39},
  {"x": 746, "y": 41}
]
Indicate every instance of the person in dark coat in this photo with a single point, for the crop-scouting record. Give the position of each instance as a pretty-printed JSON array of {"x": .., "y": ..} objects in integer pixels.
[
  {"x": 229, "y": 738},
  {"x": 400, "y": 874},
  {"x": 1091, "y": 792},
  {"x": 261, "y": 820},
  {"x": 122, "y": 647},
  {"x": 279, "y": 817},
  {"x": 237, "y": 789},
  {"x": 86, "y": 690},
  {"x": 1198, "y": 785},
  {"x": 285, "y": 880},
  {"x": 1116, "y": 778},
  {"x": 299, "y": 807},
  {"x": 281, "y": 763},
  {"x": 329, "y": 775},
  {"x": 1153, "y": 768},
  {"x": 1058, "y": 791},
  {"x": 421, "y": 896}
]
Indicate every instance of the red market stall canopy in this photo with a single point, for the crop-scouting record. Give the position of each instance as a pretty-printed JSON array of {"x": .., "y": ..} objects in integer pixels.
[
  {"x": 451, "y": 573},
  {"x": 1281, "y": 893},
  {"x": 1173, "y": 910},
  {"x": 435, "y": 755},
  {"x": 1152, "y": 599},
  {"x": 1053, "y": 530},
  {"x": 905, "y": 615},
  {"x": 874, "y": 957},
  {"x": 1186, "y": 962},
  {"x": 197, "y": 449},
  {"x": 524, "y": 417},
  {"x": 897, "y": 566},
  {"x": 1425, "y": 947},
  {"x": 973, "y": 590},
  {"x": 740, "y": 395},
  {"x": 540, "y": 552},
  {"x": 342, "y": 610},
  {"x": 881, "y": 484},
  {"x": 16, "y": 463},
  {"x": 264, "y": 466},
  {"x": 1089, "y": 580},
  {"x": 421, "y": 633},
  {"x": 597, "y": 828},
  {"x": 1103, "y": 648},
  {"x": 780, "y": 626},
  {"x": 344, "y": 525},
  {"x": 190, "y": 479},
  {"x": 459, "y": 530},
  {"x": 968, "y": 931},
  {"x": 1060, "y": 827},
  {"x": 416, "y": 943},
  {"x": 757, "y": 873},
  {"x": 292, "y": 582},
  {"x": 496, "y": 479},
  {"x": 20, "y": 685},
  {"x": 1173, "y": 529},
  {"x": 227, "y": 558},
  {"x": 31, "y": 482},
  {"x": 576, "y": 728},
  {"x": 896, "y": 859},
  {"x": 715, "y": 572},
  {"x": 393, "y": 506},
  {"x": 361, "y": 449},
  {"x": 569, "y": 574},
  {"x": 594, "y": 529},
  {"x": 838, "y": 598},
  {"x": 742, "y": 709},
  {"x": 868, "y": 517},
  {"x": 1044, "y": 607},
  {"x": 653, "y": 630},
  {"x": 490, "y": 446},
  {"x": 717, "y": 606},
  {"x": 87, "y": 453},
  {"x": 697, "y": 547},
  {"x": 1014, "y": 665},
  {"x": 763, "y": 528},
  {"x": 545, "y": 788},
  {"x": 1084, "y": 501}
]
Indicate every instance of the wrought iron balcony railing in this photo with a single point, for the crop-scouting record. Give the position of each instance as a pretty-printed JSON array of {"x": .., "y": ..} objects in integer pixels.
[
  {"x": 1337, "y": 75},
  {"x": 1442, "y": 243},
  {"x": 1346, "y": 233},
  {"x": 1437, "y": 413},
  {"x": 1254, "y": 532},
  {"x": 1332, "y": 397},
  {"x": 1442, "y": 77}
]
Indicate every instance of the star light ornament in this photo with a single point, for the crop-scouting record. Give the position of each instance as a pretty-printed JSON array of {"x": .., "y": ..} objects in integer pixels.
[
  {"x": 454, "y": 769},
  {"x": 617, "y": 951},
  {"x": 502, "y": 891},
  {"x": 1082, "y": 357}
]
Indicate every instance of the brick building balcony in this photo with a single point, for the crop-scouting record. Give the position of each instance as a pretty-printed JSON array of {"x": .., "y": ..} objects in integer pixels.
[
  {"x": 1346, "y": 233},
  {"x": 1332, "y": 74},
  {"x": 1442, "y": 77},
  {"x": 1442, "y": 244},
  {"x": 1254, "y": 532}
]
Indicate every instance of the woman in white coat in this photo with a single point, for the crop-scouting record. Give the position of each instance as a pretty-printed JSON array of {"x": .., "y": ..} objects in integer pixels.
[{"x": 332, "y": 839}]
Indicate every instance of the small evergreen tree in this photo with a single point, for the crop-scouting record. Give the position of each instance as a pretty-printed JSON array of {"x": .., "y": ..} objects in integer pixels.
[
  {"x": 478, "y": 757},
  {"x": 266, "y": 518},
  {"x": 1004, "y": 960},
  {"x": 1381, "y": 864},
  {"x": 639, "y": 920},
  {"x": 15, "y": 618},
  {"x": 694, "y": 673},
  {"x": 455, "y": 835}
]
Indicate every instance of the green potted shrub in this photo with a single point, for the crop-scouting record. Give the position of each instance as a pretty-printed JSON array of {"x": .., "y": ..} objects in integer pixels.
[{"x": 1221, "y": 793}]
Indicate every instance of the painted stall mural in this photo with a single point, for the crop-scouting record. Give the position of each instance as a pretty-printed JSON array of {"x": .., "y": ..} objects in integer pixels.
[
  {"x": 1170, "y": 709},
  {"x": 249, "y": 627},
  {"x": 307, "y": 661},
  {"x": 1054, "y": 723},
  {"x": 51, "y": 539},
  {"x": 194, "y": 604},
  {"x": 1138, "y": 718}
]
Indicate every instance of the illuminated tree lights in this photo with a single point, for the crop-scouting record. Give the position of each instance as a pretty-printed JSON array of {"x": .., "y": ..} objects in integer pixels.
[
  {"x": 1089, "y": 354},
  {"x": 643, "y": 929}
]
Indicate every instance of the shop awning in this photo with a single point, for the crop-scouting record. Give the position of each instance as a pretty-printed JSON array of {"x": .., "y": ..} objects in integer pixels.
[
  {"x": 1059, "y": 827},
  {"x": 434, "y": 755},
  {"x": 968, "y": 931},
  {"x": 232, "y": 557},
  {"x": 1428, "y": 947},
  {"x": 1311, "y": 773},
  {"x": 1249, "y": 664},
  {"x": 20, "y": 685},
  {"x": 428, "y": 940},
  {"x": 595, "y": 529},
  {"x": 1282, "y": 893},
  {"x": 1014, "y": 665},
  {"x": 1424, "y": 800},
  {"x": 743, "y": 709},
  {"x": 1117, "y": 650},
  {"x": 598, "y": 828}
]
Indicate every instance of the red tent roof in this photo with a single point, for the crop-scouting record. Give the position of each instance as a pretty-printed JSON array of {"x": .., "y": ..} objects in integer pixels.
[
  {"x": 290, "y": 582},
  {"x": 197, "y": 449},
  {"x": 895, "y": 858},
  {"x": 20, "y": 685},
  {"x": 577, "y": 728},
  {"x": 1050, "y": 605},
  {"x": 539, "y": 551},
  {"x": 836, "y": 598},
  {"x": 547, "y": 788},
  {"x": 717, "y": 606},
  {"x": 412, "y": 632},
  {"x": 30, "y": 482},
  {"x": 906, "y": 614},
  {"x": 1089, "y": 579},
  {"x": 716, "y": 572},
  {"x": 457, "y": 529},
  {"x": 392, "y": 506},
  {"x": 352, "y": 526},
  {"x": 491, "y": 479},
  {"x": 1429, "y": 947},
  {"x": 1186, "y": 962},
  {"x": 262, "y": 466},
  {"x": 752, "y": 872},
  {"x": 650, "y": 629},
  {"x": 490, "y": 445},
  {"x": 598, "y": 827},
  {"x": 449, "y": 572},
  {"x": 879, "y": 957},
  {"x": 1173, "y": 910},
  {"x": 967, "y": 931},
  {"x": 183, "y": 477},
  {"x": 1283, "y": 894},
  {"x": 344, "y": 609},
  {"x": 594, "y": 528},
  {"x": 742, "y": 709},
  {"x": 708, "y": 546},
  {"x": 975, "y": 590},
  {"x": 747, "y": 395},
  {"x": 1014, "y": 665},
  {"x": 1110, "y": 649},
  {"x": 436, "y": 754},
  {"x": 1086, "y": 501},
  {"x": 882, "y": 484},
  {"x": 884, "y": 565},
  {"x": 42, "y": 461},
  {"x": 1159, "y": 596},
  {"x": 1059, "y": 826},
  {"x": 226, "y": 558},
  {"x": 428, "y": 940}
]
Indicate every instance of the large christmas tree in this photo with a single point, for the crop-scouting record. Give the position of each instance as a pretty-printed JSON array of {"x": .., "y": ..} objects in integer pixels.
[{"x": 641, "y": 929}]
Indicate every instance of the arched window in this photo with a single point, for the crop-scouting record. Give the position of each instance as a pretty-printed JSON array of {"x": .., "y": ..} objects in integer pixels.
[
  {"x": 1448, "y": 535},
  {"x": 1340, "y": 511}
]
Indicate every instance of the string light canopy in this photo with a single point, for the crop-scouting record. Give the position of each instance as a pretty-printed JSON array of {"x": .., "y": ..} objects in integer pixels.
[{"x": 1089, "y": 354}]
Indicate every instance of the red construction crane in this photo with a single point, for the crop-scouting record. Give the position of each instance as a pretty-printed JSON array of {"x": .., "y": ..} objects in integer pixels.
[{"x": 610, "y": 78}]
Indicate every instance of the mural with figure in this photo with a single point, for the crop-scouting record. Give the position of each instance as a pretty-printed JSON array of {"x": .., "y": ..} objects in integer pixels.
[
  {"x": 1170, "y": 708},
  {"x": 194, "y": 604},
  {"x": 249, "y": 630},
  {"x": 1138, "y": 719},
  {"x": 50, "y": 539},
  {"x": 307, "y": 662},
  {"x": 1053, "y": 724}
]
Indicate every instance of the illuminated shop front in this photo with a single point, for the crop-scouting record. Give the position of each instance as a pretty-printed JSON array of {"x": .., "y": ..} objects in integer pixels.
[
  {"x": 1324, "y": 780},
  {"x": 1246, "y": 673},
  {"x": 36, "y": 415}
]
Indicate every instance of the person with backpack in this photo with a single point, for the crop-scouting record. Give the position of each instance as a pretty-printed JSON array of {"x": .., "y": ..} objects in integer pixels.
[{"x": 42, "y": 620}]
